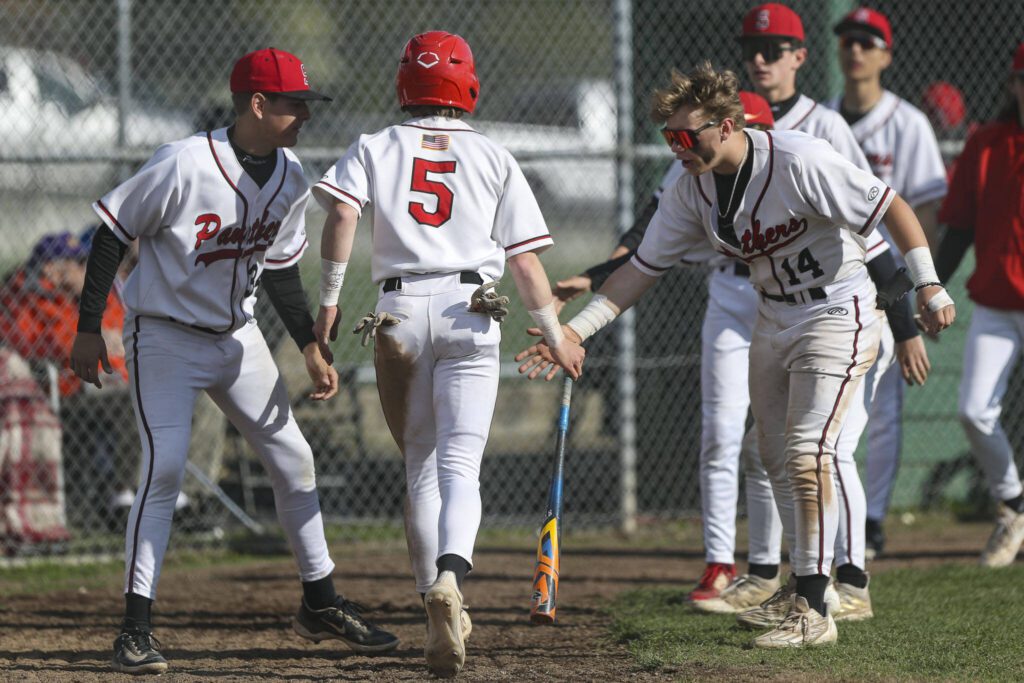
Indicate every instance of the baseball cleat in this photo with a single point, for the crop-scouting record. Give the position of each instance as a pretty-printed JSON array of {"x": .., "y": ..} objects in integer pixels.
[
  {"x": 343, "y": 621},
  {"x": 854, "y": 603},
  {"x": 743, "y": 593},
  {"x": 466, "y": 623},
  {"x": 445, "y": 650},
  {"x": 135, "y": 652},
  {"x": 1006, "y": 538},
  {"x": 773, "y": 611},
  {"x": 717, "y": 576},
  {"x": 802, "y": 627}
]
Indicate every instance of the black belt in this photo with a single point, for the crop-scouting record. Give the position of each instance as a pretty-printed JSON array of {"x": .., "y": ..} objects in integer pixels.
[
  {"x": 466, "y": 277},
  {"x": 816, "y": 293},
  {"x": 739, "y": 269}
]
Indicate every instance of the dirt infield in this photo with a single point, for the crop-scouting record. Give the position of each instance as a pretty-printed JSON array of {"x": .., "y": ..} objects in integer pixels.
[{"x": 232, "y": 623}]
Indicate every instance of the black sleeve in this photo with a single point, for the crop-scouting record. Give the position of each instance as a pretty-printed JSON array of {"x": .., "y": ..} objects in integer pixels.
[
  {"x": 632, "y": 238},
  {"x": 952, "y": 248},
  {"x": 104, "y": 258},
  {"x": 599, "y": 273},
  {"x": 882, "y": 269},
  {"x": 284, "y": 287}
]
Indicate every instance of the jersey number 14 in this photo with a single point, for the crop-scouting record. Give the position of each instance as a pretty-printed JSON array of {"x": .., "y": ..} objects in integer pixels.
[{"x": 420, "y": 183}]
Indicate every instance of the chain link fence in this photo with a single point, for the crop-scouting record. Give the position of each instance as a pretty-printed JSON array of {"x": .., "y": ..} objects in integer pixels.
[{"x": 88, "y": 88}]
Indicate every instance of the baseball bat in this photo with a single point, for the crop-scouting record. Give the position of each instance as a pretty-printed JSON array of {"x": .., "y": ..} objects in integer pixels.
[
  {"x": 894, "y": 290},
  {"x": 545, "y": 574}
]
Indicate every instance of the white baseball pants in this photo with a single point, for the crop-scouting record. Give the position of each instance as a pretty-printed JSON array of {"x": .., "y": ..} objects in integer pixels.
[
  {"x": 169, "y": 365},
  {"x": 725, "y": 398},
  {"x": 437, "y": 376},
  {"x": 805, "y": 364},
  {"x": 885, "y": 440},
  {"x": 993, "y": 346}
]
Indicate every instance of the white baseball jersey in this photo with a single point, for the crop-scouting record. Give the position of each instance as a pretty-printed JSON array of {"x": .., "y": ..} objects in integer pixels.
[
  {"x": 447, "y": 198},
  {"x": 800, "y": 191},
  {"x": 901, "y": 148},
  {"x": 207, "y": 230}
]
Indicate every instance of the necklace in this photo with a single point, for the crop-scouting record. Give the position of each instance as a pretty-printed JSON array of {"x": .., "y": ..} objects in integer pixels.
[{"x": 736, "y": 180}]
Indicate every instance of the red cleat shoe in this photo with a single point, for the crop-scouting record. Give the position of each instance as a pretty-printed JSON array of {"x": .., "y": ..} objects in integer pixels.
[{"x": 716, "y": 577}]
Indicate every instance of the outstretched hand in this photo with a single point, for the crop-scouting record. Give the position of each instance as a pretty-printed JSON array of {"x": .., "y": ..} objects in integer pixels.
[
  {"x": 542, "y": 358},
  {"x": 568, "y": 289}
]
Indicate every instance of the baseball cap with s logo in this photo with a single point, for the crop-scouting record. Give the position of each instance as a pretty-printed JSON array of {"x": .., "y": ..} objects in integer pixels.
[{"x": 273, "y": 71}]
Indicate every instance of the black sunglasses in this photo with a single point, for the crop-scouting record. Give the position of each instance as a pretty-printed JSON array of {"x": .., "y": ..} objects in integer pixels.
[
  {"x": 770, "y": 50},
  {"x": 686, "y": 138}
]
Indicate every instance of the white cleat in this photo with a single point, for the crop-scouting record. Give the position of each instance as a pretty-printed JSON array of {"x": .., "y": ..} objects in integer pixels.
[
  {"x": 1006, "y": 539},
  {"x": 854, "y": 603},
  {"x": 802, "y": 627},
  {"x": 745, "y": 592},
  {"x": 771, "y": 612},
  {"x": 446, "y": 646}
]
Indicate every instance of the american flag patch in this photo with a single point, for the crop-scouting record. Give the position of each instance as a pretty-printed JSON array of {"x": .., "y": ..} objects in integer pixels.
[{"x": 438, "y": 142}]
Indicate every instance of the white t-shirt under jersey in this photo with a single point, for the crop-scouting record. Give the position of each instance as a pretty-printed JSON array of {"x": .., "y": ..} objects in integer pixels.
[
  {"x": 799, "y": 223},
  {"x": 206, "y": 231},
  {"x": 445, "y": 199}
]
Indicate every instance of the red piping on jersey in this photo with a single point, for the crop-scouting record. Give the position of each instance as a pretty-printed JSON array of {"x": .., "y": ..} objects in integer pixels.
[
  {"x": 338, "y": 189},
  {"x": 296, "y": 257},
  {"x": 878, "y": 245},
  {"x": 245, "y": 222},
  {"x": 813, "y": 107},
  {"x": 874, "y": 213},
  {"x": 771, "y": 262},
  {"x": 768, "y": 181},
  {"x": 99, "y": 203},
  {"x": 525, "y": 242},
  {"x": 447, "y": 130},
  {"x": 149, "y": 472},
  {"x": 700, "y": 189},
  {"x": 645, "y": 264},
  {"x": 861, "y": 139},
  {"x": 824, "y": 435}
]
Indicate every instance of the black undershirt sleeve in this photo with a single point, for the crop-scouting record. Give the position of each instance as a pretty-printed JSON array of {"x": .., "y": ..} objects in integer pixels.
[
  {"x": 599, "y": 273},
  {"x": 632, "y": 238},
  {"x": 104, "y": 258},
  {"x": 882, "y": 269},
  {"x": 284, "y": 287},
  {"x": 952, "y": 248}
]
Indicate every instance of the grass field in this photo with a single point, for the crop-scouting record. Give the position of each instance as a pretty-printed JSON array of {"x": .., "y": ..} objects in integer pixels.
[{"x": 939, "y": 623}]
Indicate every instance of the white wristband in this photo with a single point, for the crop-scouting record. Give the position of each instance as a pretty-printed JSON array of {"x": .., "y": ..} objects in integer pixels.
[
  {"x": 547, "y": 321},
  {"x": 595, "y": 315},
  {"x": 921, "y": 267},
  {"x": 332, "y": 277}
]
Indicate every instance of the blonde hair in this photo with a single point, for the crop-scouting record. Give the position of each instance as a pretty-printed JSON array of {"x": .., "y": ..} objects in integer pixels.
[{"x": 716, "y": 93}]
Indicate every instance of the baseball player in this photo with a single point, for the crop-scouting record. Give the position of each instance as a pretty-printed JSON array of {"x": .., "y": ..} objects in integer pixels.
[
  {"x": 217, "y": 216},
  {"x": 788, "y": 205},
  {"x": 900, "y": 145},
  {"x": 449, "y": 208},
  {"x": 984, "y": 208}
]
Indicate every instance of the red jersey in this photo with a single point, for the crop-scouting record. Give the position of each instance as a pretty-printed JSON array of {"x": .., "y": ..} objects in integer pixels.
[{"x": 986, "y": 194}]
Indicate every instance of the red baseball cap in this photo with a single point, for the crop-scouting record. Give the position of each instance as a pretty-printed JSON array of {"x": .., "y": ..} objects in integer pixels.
[
  {"x": 756, "y": 110},
  {"x": 944, "y": 103},
  {"x": 867, "y": 20},
  {"x": 772, "y": 19},
  {"x": 1018, "y": 59},
  {"x": 273, "y": 71}
]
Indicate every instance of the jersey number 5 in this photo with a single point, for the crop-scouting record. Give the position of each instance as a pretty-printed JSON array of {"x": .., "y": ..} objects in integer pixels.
[{"x": 444, "y": 194}]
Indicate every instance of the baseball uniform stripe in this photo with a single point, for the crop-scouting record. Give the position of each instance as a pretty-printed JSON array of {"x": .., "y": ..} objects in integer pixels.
[
  {"x": 331, "y": 189},
  {"x": 113, "y": 221},
  {"x": 796, "y": 126},
  {"x": 292, "y": 259},
  {"x": 245, "y": 222},
  {"x": 149, "y": 441},
  {"x": 871, "y": 219},
  {"x": 768, "y": 180},
  {"x": 700, "y": 189},
  {"x": 647, "y": 265},
  {"x": 824, "y": 434},
  {"x": 525, "y": 242}
]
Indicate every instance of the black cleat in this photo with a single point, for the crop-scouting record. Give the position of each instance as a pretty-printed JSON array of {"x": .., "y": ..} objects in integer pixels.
[
  {"x": 135, "y": 652},
  {"x": 874, "y": 539},
  {"x": 343, "y": 621}
]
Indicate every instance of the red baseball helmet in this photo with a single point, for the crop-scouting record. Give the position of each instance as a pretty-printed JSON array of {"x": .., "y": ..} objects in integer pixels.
[{"x": 437, "y": 68}]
